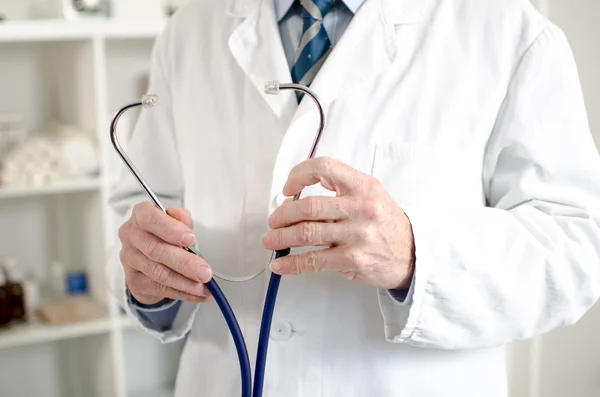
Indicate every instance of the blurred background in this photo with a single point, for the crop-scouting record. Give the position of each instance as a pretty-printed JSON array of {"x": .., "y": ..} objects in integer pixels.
[{"x": 65, "y": 67}]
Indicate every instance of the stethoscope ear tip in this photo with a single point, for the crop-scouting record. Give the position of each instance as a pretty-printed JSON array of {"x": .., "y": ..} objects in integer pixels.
[
  {"x": 150, "y": 101},
  {"x": 272, "y": 87}
]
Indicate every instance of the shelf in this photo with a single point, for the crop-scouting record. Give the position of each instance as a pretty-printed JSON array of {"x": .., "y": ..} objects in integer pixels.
[
  {"x": 30, "y": 334},
  {"x": 59, "y": 30},
  {"x": 84, "y": 185},
  {"x": 126, "y": 322},
  {"x": 162, "y": 392}
]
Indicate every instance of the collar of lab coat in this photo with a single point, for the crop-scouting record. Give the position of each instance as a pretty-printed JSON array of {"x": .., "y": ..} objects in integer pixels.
[
  {"x": 256, "y": 45},
  {"x": 395, "y": 11},
  {"x": 283, "y": 6}
]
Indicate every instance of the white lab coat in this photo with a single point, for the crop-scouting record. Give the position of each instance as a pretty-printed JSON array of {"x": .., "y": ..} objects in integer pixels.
[{"x": 470, "y": 112}]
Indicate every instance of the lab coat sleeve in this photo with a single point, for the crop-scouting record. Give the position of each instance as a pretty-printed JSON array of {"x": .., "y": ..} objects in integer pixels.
[
  {"x": 403, "y": 296},
  {"x": 158, "y": 317},
  {"x": 529, "y": 261},
  {"x": 153, "y": 149}
]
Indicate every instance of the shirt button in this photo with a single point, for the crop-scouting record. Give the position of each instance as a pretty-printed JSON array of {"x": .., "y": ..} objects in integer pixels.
[{"x": 281, "y": 331}]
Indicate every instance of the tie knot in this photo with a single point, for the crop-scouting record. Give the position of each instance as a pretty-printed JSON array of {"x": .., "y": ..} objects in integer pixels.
[{"x": 317, "y": 9}]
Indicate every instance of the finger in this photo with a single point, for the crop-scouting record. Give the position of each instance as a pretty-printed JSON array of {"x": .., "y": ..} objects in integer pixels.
[
  {"x": 168, "y": 229},
  {"x": 176, "y": 258},
  {"x": 139, "y": 283},
  {"x": 160, "y": 273},
  {"x": 309, "y": 262},
  {"x": 312, "y": 208},
  {"x": 332, "y": 174},
  {"x": 305, "y": 234},
  {"x": 183, "y": 215}
]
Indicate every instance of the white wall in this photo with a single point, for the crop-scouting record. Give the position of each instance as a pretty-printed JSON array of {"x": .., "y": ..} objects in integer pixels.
[
  {"x": 580, "y": 20},
  {"x": 14, "y": 9}
]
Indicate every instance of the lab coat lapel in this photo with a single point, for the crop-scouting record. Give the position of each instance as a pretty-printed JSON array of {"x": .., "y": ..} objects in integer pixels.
[
  {"x": 256, "y": 46},
  {"x": 368, "y": 47}
]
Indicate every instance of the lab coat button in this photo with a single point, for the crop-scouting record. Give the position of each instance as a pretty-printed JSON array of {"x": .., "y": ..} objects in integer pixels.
[{"x": 281, "y": 331}]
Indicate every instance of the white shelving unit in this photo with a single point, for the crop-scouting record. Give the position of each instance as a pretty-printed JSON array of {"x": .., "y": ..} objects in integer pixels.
[
  {"x": 31, "y": 334},
  {"x": 84, "y": 185},
  {"x": 57, "y": 30},
  {"x": 78, "y": 73}
]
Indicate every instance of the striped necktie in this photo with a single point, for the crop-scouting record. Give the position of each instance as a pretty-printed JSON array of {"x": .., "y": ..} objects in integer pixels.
[{"x": 315, "y": 44}]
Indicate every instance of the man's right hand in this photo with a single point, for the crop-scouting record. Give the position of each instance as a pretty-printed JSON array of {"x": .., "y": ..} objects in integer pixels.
[{"x": 155, "y": 264}]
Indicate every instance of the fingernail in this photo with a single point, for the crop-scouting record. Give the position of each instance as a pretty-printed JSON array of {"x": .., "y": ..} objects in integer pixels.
[
  {"x": 276, "y": 266},
  {"x": 204, "y": 274},
  {"x": 188, "y": 240}
]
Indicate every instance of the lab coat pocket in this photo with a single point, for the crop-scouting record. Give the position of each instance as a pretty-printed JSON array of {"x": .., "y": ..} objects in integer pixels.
[{"x": 417, "y": 174}]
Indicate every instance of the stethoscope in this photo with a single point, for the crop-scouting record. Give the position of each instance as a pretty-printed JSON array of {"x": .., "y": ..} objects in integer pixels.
[{"x": 271, "y": 88}]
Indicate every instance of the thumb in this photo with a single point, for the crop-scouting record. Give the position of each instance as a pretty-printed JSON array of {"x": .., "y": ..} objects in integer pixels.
[{"x": 183, "y": 215}]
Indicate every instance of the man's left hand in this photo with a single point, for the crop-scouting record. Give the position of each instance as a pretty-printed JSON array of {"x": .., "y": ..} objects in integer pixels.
[{"x": 369, "y": 237}]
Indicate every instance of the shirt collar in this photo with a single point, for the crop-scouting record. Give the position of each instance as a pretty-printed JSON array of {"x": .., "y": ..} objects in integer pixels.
[{"x": 283, "y": 6}]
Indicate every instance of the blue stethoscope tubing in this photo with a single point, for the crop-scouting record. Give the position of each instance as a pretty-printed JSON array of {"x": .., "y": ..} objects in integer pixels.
[{"x": 249, "y": 388}]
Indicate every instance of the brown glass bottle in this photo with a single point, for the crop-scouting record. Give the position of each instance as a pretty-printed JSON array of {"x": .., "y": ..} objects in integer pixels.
[
  {"x": 16, "y": 295},
  {"x": 5, "y": 308},
  {"x": 16, "y": 301}
]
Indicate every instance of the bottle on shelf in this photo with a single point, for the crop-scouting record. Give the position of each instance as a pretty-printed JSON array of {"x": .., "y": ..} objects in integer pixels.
[
  {"x": 77, "y": 284},
  {"x": 5, "y": 311},
  {"x": 14, "y": 286},
  {"x": 31, "y": 286},
  {"x": 57, "y": 281}
]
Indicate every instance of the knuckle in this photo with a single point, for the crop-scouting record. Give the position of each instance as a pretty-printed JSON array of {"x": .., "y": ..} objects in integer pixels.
[
  {"x": 148, "y": 268},
  {"x": 145, "y": 217},
  {"x": 372, "y": 209},
  {"x": 325, "y": 164},
  {"x": 352, "y": 257},
  {"x": 311, "y": 207},
  {"x": 376, "y": 185},
  {"x": 306, "y": 233},
  {"x": 154, "y": 249},
  {"x": 170, "y": 277},
  {"x": 185, "y": 265},
  {"x": 369, "y": 183},
  {"x": 149, "y": 219},
  {"x": 362, "y": 234},
  {"x": 276, "y": 237},
  {"x": 296, "y": 264},
  {"x": 160, "y": 274},
  {"x": 163, "y": 289},
  {"x": 312, "y": 261}
]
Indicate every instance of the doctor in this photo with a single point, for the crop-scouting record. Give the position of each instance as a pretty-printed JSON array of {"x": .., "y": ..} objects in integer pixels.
[{"x": 456, "y": 196}]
